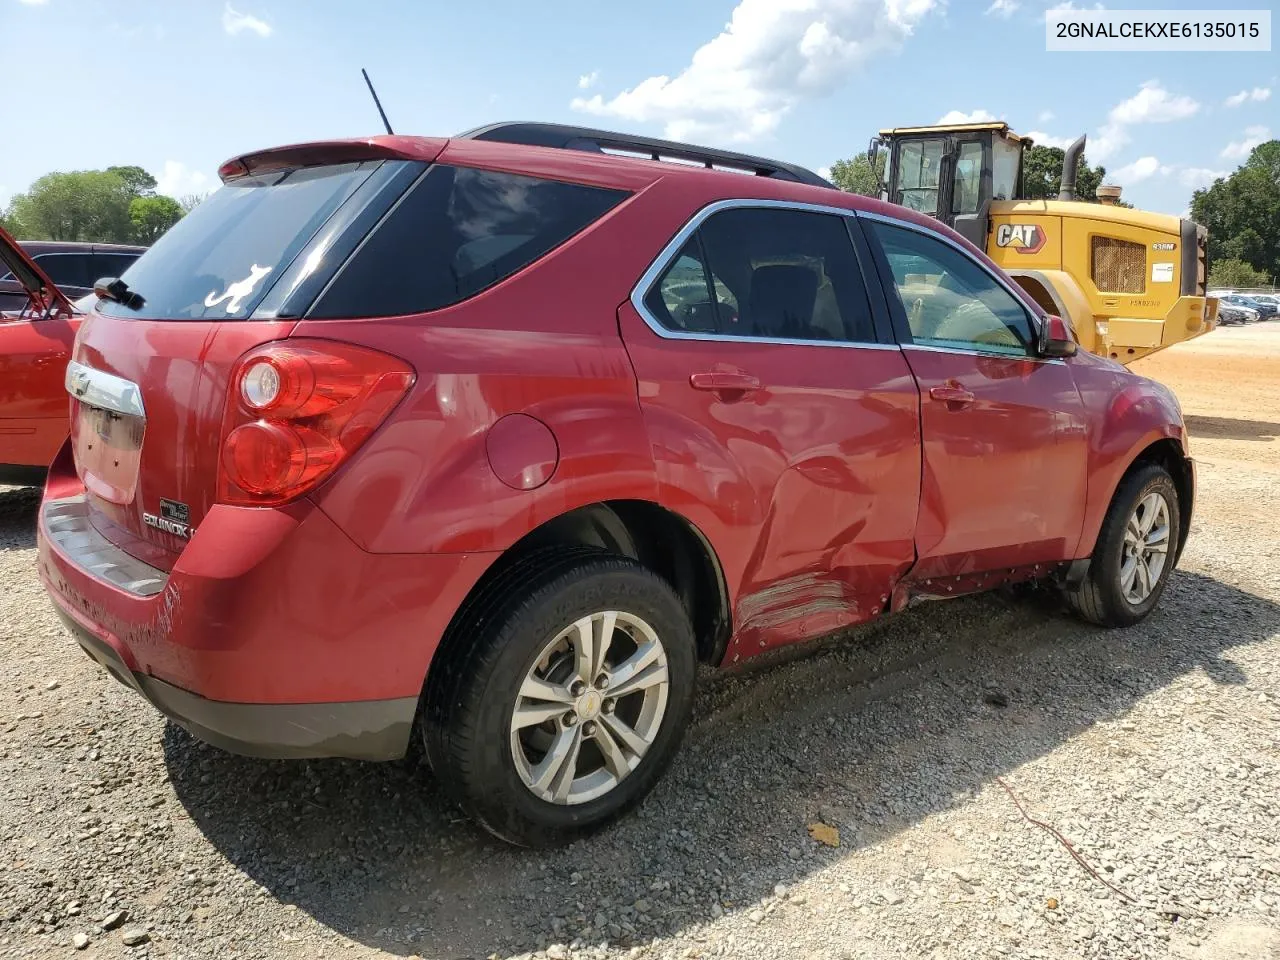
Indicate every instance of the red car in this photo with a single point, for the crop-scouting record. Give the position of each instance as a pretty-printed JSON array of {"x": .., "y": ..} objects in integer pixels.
[
  {"x": 35, "y": 344},
  {"x": 496, "y": 438}
]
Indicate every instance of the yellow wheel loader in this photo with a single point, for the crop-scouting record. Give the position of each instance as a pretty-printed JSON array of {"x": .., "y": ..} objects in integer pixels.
[{"x": 1130, "y": 282}]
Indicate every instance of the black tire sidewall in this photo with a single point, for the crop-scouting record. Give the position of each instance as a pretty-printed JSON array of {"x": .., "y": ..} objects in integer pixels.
[
  {"x": 496, "y": 794},
  {"x": 1109, "y": 556}
]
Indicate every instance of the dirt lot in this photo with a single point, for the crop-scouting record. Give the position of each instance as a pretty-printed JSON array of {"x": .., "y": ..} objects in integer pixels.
[{"x": 1154, "y": 751}]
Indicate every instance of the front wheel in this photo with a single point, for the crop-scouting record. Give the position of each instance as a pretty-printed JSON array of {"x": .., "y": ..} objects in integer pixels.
[
  {"x": 570, "y": 703},
  {"x": 1135, "y": 552}
]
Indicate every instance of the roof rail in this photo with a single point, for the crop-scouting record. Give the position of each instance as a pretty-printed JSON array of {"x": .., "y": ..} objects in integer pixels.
[{"x": 566, "y": 137}]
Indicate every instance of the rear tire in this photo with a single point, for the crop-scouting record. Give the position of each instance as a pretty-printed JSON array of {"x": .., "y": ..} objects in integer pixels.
[
  {"x": 540, "y": 730},
  {"x": 1135, "y": 552}
]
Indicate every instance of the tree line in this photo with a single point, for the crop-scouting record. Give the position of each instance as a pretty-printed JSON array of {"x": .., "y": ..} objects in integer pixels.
[
  {"x": 115, "y": 205},
  {"x": 1241, "y": 211}
]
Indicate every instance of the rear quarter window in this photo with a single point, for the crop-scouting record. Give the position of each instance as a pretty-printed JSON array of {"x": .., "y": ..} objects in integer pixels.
[{"x": 456, "y": 232}]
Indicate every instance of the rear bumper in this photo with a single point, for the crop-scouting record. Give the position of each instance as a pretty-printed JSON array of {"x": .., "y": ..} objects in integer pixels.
[
  {"x": 273, "y": 634},
  {"x": 360, "y": 730}
]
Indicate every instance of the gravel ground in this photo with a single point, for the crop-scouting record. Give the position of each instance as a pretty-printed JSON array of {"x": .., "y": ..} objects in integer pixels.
[{"x": 1153, "y": 751}]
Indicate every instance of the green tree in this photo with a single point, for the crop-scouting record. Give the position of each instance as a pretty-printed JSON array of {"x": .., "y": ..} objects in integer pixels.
[
  {"x": 152, "y": 216},
  {"x": 1236, "y": 273},
  {"x": 139, "y": 182},
  {"x": 81, "y": 205},
  {"x": 1242, "y": 212},
  {"x": 857, "y": 176},
  {"x": 1042, "y": 175}
]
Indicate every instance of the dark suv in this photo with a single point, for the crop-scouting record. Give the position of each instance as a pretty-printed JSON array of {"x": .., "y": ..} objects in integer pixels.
[
  {"x": 74, "y": 267},
  {"x": 494, "y": 439}
]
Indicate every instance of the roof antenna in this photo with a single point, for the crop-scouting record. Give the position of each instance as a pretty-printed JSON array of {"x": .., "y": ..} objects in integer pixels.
[{"x": 378, "y": 103}]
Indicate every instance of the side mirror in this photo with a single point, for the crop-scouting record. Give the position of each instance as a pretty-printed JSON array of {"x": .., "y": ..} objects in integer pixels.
[{"x": 1057, "y": 339}]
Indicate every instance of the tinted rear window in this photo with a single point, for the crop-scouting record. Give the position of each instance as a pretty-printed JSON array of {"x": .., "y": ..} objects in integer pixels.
[
  {"x": 456, "y": 232},
  {"x": 219, "y": 261}
]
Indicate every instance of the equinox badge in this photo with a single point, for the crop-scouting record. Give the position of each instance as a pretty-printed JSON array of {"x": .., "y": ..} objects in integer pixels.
[{"x": 175, "y": 518}]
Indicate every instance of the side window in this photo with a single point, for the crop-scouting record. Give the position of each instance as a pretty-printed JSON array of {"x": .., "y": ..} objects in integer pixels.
[
  {"x": 785, "y": 274},
  {"x": 111, "y": 265},
  {"x": 66, "y": 269},
  {"x": 968, "y": 179},
  {"x": 456, "y": 232},
  {"x": 950, "y": 300},
  {"x": 681, "y": 298},
  {"x": 919, "y": 163}
]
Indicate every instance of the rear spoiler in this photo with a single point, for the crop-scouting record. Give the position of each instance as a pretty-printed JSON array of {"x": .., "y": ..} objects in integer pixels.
[{"x": 324, "y": 152}]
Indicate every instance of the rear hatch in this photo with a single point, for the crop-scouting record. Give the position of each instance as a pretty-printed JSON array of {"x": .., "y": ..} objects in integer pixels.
[
  {"x": 152, "y": 365},
  {"x": 20, "y": 275}
]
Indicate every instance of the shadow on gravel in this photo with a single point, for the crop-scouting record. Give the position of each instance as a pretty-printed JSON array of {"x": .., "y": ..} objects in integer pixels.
[
  {"x": 1229, "y": 428},
  {"x": 873, "y": 733},
  {"x": 18, "y": 506}
]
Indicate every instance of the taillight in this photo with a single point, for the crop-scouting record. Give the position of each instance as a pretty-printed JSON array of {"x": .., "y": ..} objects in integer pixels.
[{"x": 296, "y": 410}]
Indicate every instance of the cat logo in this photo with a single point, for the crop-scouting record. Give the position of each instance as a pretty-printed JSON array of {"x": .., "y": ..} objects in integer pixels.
[{"x": 1023, "y": 237}]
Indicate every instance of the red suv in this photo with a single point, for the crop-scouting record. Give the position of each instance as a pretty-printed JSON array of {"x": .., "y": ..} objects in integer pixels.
[{"x": 497, "y": 438}]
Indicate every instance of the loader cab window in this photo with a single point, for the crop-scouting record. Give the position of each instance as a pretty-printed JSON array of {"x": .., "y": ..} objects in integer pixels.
[
  {"x": 966, "y": 190},
  {"x": 919, "y": 165},
  {"x": 1006, "y": 164}
]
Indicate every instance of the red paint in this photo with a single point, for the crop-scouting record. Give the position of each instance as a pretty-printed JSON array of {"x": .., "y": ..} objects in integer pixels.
[
  {"x": 1004, "y": 471},
  {"x": 522, "y": 451},
  {"x": 33, "y": 400},
  {"x": 831, "y": 483},
  {"x": 34, "y": 348}
]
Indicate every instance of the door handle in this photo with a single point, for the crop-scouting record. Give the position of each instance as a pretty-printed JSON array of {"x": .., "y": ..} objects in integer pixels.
[
  {"x": 724, "y": 382},
  {"x": 953, "y": 395}
]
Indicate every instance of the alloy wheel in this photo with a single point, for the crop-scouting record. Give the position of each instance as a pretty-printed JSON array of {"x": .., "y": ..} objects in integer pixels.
[
  {"x": 1146, "y": 548},
  {"x": 589, "y": 708}
]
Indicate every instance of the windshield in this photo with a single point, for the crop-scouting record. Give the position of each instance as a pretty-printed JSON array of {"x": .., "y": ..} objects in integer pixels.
[{"x": 220, "y": 260}]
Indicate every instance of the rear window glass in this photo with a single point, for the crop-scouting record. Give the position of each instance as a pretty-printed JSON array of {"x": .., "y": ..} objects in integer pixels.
[
  {"x": 456, "y": 232},
  {"x": 218, "y": 261}
]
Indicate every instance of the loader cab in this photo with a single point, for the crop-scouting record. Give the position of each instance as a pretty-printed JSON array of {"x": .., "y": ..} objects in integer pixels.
[{"x": 952, "y": 172}]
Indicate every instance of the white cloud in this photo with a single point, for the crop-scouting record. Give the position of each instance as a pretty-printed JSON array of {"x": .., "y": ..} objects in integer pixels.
[
  {"x": 1046, "y": 116},
  {"x": 1195, "y": 178},
  {"x": 233, "y": 22},
  {"x": 1003, "y": 8},
  {"x": 1257, "y": 95},
  {"x": 1141, "y": 169},
  {"x": 772, "y": 55},
  {"x": 33, "y": 3},
  {"x": 959, "y": 116},
  {"x": 177, "y": 180},
  {"x": 1151, "y": 104},
  {"x": 824, "y": 173},
  {"x": 1068, "y": 5},
  {"x": 1239, "y": 149},
  {"x": 588, "y": 80},
  {"x": 1042, "y": 139}
]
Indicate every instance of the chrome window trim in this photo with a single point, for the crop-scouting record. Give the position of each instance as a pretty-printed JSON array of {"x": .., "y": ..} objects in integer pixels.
[
  {"x": 673, "y": 247},
  {"x": 975, "y": 352},
  {"x": 1032, "y": 318},
  {"x": 104, "y": 390}
]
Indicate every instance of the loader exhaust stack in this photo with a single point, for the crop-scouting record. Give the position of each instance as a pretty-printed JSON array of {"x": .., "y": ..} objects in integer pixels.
[{"x": 1069, "y": 163}]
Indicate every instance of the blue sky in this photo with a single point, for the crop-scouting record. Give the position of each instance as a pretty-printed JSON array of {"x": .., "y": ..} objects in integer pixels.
[{"x": 177, "y": 87}]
